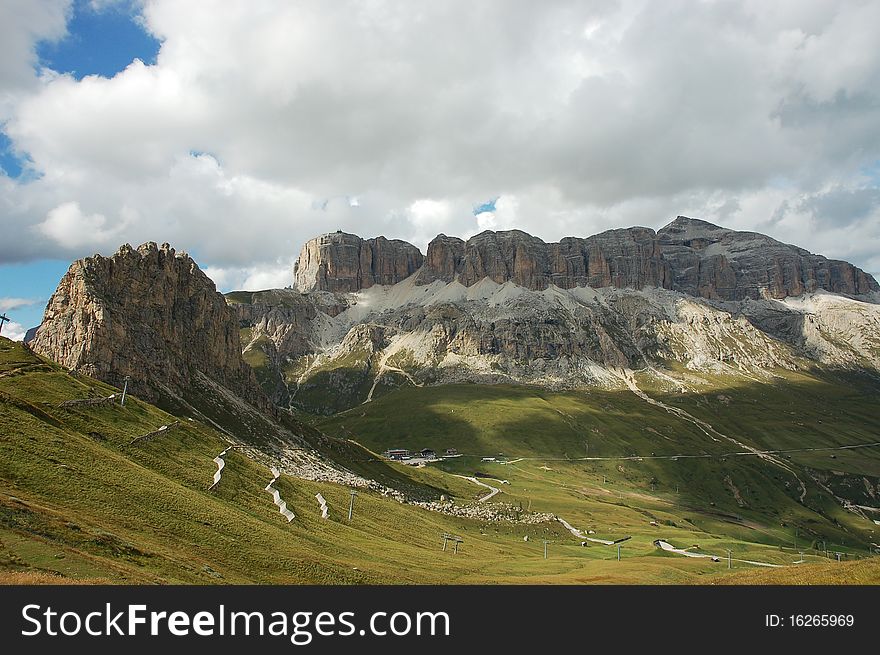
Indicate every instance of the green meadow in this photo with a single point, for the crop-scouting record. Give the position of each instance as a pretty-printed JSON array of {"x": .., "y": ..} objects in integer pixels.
[{"x": 80, "y": 503}]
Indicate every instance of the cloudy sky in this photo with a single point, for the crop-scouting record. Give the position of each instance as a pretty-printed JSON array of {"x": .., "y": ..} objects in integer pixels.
[{"x": 235, "y": 130}]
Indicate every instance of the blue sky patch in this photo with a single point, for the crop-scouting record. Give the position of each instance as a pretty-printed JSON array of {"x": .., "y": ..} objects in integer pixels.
[
  {"x": 99, "y": 42},
  {"x": 10, "y": 162},
  {"x": 488, "y": 206},
  {"x": 35, "y": 281}
]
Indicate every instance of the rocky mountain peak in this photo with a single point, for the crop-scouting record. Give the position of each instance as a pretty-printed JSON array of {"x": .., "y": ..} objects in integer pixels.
[
  {"x": 719, "y": 263},
  {"x": 149, "y": 313},
  {"x": 442, "y": 261},
  {"x": 687, "y": 225},
  {"x": 341, "y": 262}
]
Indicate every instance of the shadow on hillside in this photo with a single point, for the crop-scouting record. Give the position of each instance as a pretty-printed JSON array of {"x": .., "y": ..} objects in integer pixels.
[
  {"x": 786, "y": 326},
  {"x": 704, "y": 477}
]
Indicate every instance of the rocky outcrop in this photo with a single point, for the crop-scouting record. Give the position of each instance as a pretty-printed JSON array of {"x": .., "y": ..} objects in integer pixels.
[
  {"x": 280, "y": 314},
  {"x": 341, "y": 262},
  {"x": 717, "y": 263},
  {"x": 30, "y": 334},
  {"x": 527, "y": 329},
  {"x": 688, "y": 255},
  {"x": 617, "y": 258},
  {"x": 149, "y": 313},
  {"x": 443, "y": 260}
]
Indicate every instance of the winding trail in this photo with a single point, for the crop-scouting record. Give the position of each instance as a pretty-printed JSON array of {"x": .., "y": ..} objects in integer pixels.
[
  {"x": 220, "y": 462},
  {"x": 276, "y": 495},
  {"x": 492, "y": 490},
  {"x": 498, "y": 480},
  {"x": 627, "y": 376},
  {"x": 848, "y": 505},
  {"x": 664, "y": 545},
  {"x": 580, "y": 535},
  {"x": 323, "y": 503},
  {"x": 669, "y": 548}
]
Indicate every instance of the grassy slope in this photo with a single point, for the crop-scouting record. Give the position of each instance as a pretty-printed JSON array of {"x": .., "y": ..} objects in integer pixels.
[
  {"x": 692, "y": 496},
  {"x": 77, "y": 500},
  {"x": 822, "y": 573}
]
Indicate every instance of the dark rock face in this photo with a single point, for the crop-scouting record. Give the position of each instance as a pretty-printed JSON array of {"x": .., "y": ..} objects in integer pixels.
[
  {"x": 688, "y": 255},
  {"x": 626, "y": 258},
  {"x": 617, "y": 258},
  {"x": 718, "y": 263},
  {"x": 341, "y": 262},
  {"x": 30, "y": 334},
  {"x": 443, "y": 260},
  {"x": 148, "y": 313},
  {"x": 505, "y": 256}
]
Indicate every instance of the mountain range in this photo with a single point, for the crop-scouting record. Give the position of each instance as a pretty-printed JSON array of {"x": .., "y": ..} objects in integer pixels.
[
  {"x": 694, "y": 384},
  {"x": 366, "y": 315},
  {"x": 688, "y": 255}
]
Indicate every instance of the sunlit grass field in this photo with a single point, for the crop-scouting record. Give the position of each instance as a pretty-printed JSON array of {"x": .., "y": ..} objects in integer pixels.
[{"x": 79, "y": 502}]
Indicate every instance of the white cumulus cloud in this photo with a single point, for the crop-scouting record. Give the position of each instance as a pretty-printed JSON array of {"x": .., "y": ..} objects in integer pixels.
[
  {"x": 578, "y": 116},
  {"x": 14, "y": 331},
  {"x": 67, "y": 225}
]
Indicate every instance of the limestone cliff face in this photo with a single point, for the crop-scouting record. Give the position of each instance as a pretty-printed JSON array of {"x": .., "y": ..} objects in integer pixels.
[
  {"x": 341, "y": 262},
  {"x": 688, "y": 255},
  {"x": 717, "y": 263},
  {"x": 443, "y": 260},
  {"x": 617, "y": 258},
  {"x": 509, "y": 307},
  {"x": 149, "y": 313}
]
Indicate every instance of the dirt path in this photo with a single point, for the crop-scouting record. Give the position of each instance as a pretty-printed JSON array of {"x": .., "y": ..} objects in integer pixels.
[
  {"x": 276, "y": 496},
  {"x": 220, "y": 462},
  {"x": 323, "y": 503},
  {"x": 735, "y": 453},
  {"x": 669, "y": 548},
  {"x": 580, "y": 535},
  {"x": 492, "y": 490}
]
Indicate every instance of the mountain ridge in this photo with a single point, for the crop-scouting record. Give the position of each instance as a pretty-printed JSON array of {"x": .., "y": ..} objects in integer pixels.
[
  {"x": 688, "y": 255},
  {"x": 501, "y": 307},
  {"x": 148, "y": 314},
  {"x": 493, "y": 367},
  {"x": 507, "y": 307}
]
